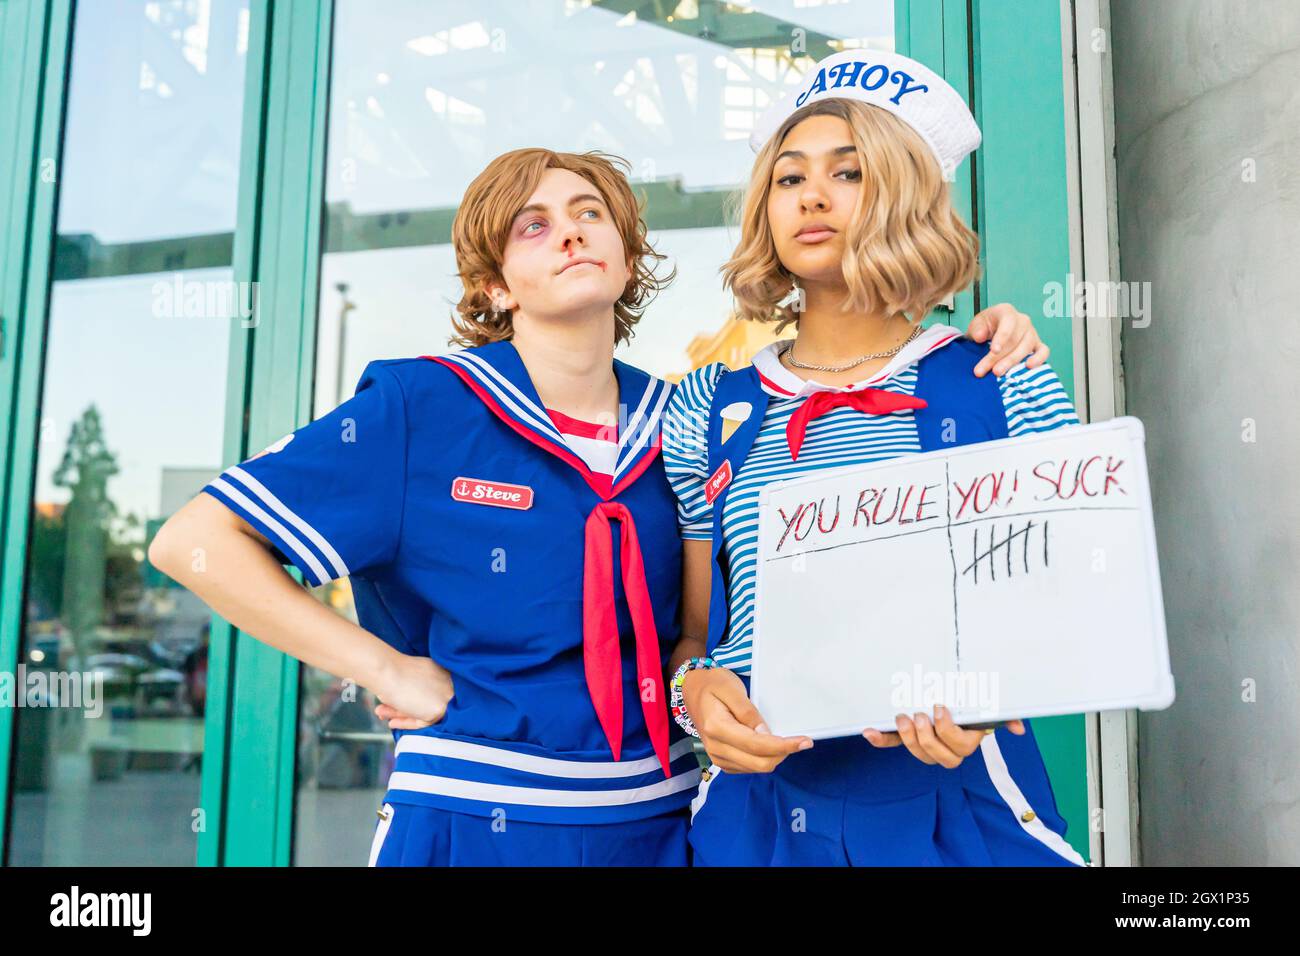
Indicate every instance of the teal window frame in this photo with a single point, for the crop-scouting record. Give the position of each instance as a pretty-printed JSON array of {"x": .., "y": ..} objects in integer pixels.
[
  {"x": 277, "y": 245},
  {"x": 36, "y": 36}
]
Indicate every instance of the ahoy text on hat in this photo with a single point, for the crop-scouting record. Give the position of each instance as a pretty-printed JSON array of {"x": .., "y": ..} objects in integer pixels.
[{"x": 908, "y": 89}]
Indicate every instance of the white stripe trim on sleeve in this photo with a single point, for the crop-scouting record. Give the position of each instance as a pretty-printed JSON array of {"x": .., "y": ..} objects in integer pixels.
[
  {"x": 1018, "y": 424},
  {"x": 287, "y": 513},
  {"x": 285, "y": 536}
]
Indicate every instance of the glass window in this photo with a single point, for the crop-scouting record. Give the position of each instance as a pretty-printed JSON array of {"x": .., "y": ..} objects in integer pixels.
[
  {"x": 423, "y": 96},
  {"x": 131, "y": 424}
]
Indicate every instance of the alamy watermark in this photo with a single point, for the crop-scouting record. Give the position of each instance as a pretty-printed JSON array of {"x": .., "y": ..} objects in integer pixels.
[
  {"x": 46, "y": 688},
  {"x": 182, "y": 298},
  {"x": 1112, "y": 300},
  {"x": 965, "y": 691},
  {"x": 76, "y": 908}
]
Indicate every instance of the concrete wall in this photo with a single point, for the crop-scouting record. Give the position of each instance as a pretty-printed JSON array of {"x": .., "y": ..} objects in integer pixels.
[{"x": 1201, "y": 87}]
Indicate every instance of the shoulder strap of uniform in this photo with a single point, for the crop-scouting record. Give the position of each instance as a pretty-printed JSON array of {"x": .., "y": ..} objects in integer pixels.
[
  {"x": 961, "y": 408},
  {"x": 741, "y": 396}
]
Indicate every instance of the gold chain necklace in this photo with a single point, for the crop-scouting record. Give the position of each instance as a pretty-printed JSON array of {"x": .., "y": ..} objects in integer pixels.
[{"x": 788, "y": 352}]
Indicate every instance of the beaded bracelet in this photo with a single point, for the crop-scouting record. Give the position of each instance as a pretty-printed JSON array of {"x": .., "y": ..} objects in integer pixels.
[{"x": 675, "y": 699}]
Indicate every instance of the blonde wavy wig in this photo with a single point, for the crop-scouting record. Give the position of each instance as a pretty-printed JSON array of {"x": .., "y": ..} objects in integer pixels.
[
  {"x": 482, "y": 226},
  {"x": 906, "y": 249}
]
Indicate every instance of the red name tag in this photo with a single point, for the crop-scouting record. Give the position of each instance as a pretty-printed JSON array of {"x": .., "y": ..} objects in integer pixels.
[
  {"x": 718, "y": 483},
  {"x": 498, "y": 493}
]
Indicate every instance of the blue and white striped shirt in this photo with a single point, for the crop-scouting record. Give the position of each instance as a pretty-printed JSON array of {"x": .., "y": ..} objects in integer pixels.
[{"x": 1034, "y": 399}]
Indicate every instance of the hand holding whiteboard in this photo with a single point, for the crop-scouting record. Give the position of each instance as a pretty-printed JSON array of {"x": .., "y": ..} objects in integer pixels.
[{"x": 1006, "y": 579}]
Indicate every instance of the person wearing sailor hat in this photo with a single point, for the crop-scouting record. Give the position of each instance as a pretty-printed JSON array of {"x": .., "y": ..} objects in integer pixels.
[{"x": 848, "y": 232}]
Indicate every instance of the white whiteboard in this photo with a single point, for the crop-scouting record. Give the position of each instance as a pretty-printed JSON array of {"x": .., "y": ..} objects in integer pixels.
[{"x": 1011, "y": 578}]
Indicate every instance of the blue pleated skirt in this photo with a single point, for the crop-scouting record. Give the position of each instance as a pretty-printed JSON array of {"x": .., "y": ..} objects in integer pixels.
[{"x": 845, "y": 802}]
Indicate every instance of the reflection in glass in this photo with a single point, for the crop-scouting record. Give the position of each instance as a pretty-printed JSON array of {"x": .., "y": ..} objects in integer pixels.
[
  {"x": 132, "y": 418},
  {"x": 423, "y": 96}
]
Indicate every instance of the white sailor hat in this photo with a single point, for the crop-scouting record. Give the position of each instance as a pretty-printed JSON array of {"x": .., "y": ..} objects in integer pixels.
[{"x": 908, "y": 89}]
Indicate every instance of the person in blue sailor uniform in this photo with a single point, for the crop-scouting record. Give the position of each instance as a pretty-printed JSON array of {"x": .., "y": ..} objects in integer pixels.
[
  {"x": 503, "y": 510},
  {"x": 505, "y": 518},
  {"x": 848, "y": 231}
]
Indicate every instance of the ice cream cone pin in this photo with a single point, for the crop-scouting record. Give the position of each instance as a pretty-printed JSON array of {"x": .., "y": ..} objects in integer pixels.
[{"x": 733, "y": 416}]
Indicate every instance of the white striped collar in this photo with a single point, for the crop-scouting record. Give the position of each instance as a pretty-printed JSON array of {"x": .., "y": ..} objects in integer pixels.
[
  {"x": 779, "y": 381},
  {"x": 497, "y": 375}
]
